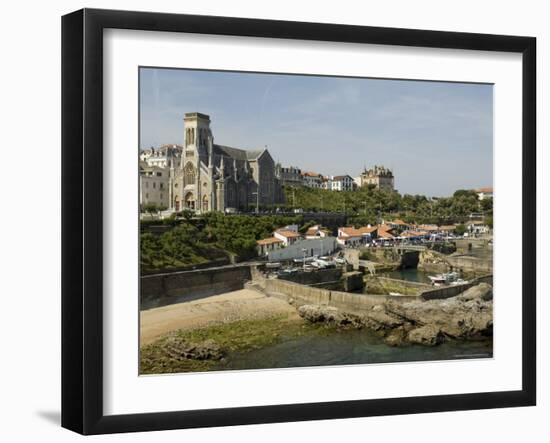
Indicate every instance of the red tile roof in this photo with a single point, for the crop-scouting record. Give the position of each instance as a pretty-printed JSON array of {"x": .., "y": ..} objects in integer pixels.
[
  {"x": 269, "y": 241},
  {"x": 356, "y": 232},
  {"x": 384, "y": 234},
  {"x": 288, "y": 234}
]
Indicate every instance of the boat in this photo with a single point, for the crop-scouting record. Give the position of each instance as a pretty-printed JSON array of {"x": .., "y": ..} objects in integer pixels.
[
  {"x": 306, "y": 259},
  {"x": 444, "y": 279}
]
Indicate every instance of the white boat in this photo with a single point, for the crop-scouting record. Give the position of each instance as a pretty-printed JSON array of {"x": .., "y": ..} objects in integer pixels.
[
  {"x": 307, "y": 259},
  {"x": 444, "y": 279}
]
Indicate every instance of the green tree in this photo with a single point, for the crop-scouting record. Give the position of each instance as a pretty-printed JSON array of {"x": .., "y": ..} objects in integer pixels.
[
  {"x": 150, "y": 208},
  {"x": 460, "y": 230}
]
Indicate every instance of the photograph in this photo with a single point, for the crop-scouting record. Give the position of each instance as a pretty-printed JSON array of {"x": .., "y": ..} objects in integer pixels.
[{"x": 291, "y": 221}]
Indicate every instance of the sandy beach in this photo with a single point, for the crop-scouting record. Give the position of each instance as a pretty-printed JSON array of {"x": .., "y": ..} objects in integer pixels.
[{"x": 231, "y": 306}]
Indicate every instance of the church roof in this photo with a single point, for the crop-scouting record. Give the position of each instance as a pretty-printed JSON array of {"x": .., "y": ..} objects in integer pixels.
[
  {"x": 253, "y": 155},
  {"x": 236, "y": 153}
]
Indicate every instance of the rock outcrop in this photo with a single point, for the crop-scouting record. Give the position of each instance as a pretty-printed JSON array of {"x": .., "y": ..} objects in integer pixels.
[
  {"x": 178, "y": 350},
  {"x": 468, "y": 315}
]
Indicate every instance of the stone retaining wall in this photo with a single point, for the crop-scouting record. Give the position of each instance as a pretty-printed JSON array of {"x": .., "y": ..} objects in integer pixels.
[
  {"x": 313, "y": 278},
  {"x": 302, "y": 295},
  {"x": 164, "y": 289},
  {"x": 468, "y": 263},
  {"x": 451, "y": 291}
]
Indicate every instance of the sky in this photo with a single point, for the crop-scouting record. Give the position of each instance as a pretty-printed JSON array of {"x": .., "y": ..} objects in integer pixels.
[{"x": 437, "y": 137}]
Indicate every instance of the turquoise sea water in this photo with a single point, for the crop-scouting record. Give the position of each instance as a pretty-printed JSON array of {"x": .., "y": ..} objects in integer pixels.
[
  {"x": 412, "y": 274},
  {"x": 350, "y": 347}
]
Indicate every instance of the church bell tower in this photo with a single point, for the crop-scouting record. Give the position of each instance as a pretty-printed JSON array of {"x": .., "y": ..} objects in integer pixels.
[{"x": 197, "y": 130}]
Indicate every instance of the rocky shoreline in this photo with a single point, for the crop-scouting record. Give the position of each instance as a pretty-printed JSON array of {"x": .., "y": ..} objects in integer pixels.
[{"x": 467, "y": 316}]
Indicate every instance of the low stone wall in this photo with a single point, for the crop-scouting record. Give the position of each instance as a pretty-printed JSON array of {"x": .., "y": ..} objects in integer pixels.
[
  {"x": 468, "y": 263},
  {"x": 451, "y": 291},
  {"x": 353, "y": 281},
  {"x": 176, "y": 287},
  {"x": 314, "y": 277},
  {"x": 302, "y": 295}
]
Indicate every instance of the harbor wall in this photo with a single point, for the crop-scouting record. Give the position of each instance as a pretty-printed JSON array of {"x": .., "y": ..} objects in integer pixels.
[
  {"x": 453, "y": 290},
  {"x": 301, "y": 295},
  {"x": 313, "y": 278},
  {"x": 176, "y": 287},
  {"x": 468, "y": 263}
]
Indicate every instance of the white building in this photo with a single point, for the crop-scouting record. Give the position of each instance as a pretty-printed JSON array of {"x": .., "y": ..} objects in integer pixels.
[
  {"x": 353, "y": 237},
  {"x": 288, "y": 235},
  {"x": 477, "y": 227},
  {"x": 312, "y": 179},
  {"x": 304, "y": 248},
  {"x": 341, "y": 183},
  {"x": 162, "y": 156},
  {"x": 484, "y": 193},
  {"x": 317, "y": 231},
  {"x": 267, "y": 245},
  {"x": 153, "y": 185}
]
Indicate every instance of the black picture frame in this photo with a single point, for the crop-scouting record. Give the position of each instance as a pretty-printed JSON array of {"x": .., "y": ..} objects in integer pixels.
[{"x": 82, "y": 218}]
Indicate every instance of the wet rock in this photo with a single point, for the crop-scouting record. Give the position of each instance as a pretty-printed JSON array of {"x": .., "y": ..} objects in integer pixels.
[
  {"x": 483, "y": 292},
  {"x": 180, "y": 350},
  {"x": 379, "y": 319},
  {"x": 396, "y": 337},
  {"x": 466, "y": 316},
  {"x": 316, "y": 314},
  {"x": 331, "y": 316},
  {"x": 429, "y": 335}
]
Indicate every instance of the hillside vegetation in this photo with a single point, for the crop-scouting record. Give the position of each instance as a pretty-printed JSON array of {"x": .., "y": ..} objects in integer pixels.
[
  {"x": 208, "y": 237},
  {"x": 367, "y": 204}
]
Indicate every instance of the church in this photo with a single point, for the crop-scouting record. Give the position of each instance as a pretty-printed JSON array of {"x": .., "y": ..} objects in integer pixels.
[{"x": 204, "y": 176}]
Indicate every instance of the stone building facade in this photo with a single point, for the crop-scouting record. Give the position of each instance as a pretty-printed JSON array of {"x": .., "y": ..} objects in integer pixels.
[
  {"x": 154, "y": 186},
  {"x": 289, "y": 176},
  {"x": 162, "y": 156},
  {"x": 379, "y": 176},
  {"x": 204, "y": 176}
]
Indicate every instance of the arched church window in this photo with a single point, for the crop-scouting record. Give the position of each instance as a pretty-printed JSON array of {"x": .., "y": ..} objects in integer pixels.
[{"x": 189, "y": 174}]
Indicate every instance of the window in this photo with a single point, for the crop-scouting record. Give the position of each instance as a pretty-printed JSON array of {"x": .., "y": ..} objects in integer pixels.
[
  {"x": 161, "y": 185},
  {"x": 159, "y": 174},
  {"x": 189, "y": 174},
  {"x": 154, "y": 185}
]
